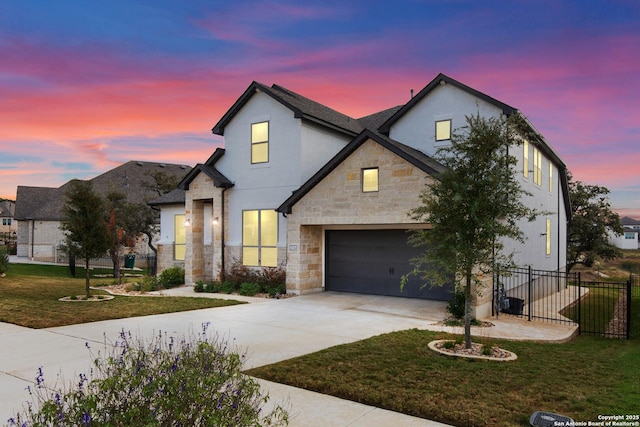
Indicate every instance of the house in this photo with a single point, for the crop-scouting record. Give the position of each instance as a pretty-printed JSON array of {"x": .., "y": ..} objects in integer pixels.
[
  {"x": 326, "y": 196},
  {"x": 8, "y": 225},
  {"x": 629, "y": 238},
  {"x": 38, "y": 211}
]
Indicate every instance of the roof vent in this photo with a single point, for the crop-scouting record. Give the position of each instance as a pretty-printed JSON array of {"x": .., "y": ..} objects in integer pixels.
[
  {"x": 139, "y": 163},
  {"x": 411, "y": 93},
  {"x": 162, "y": 165}
]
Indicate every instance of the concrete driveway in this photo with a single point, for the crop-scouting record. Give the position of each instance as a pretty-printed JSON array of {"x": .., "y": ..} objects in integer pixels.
[{"x": 271, "y": 331}]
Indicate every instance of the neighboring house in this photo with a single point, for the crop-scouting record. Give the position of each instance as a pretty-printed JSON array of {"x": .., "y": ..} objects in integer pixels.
[
  {"x": 8, "y": 226},
  {"x": 326, "y": 196},
  {"x": 39, "y": 209},
  {"x": 629, "y": 238}
]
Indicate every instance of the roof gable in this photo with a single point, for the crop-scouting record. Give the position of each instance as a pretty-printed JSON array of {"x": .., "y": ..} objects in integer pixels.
[
  {"x": 441, "y": 79},
  {"x": 208, "y": 168},
  {"x": 302, "y": 108},
  {"x": 415, "y": 157}
]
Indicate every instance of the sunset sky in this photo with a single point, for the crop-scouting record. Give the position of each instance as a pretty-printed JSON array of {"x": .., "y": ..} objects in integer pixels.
[{"x": 88, "y": 85}]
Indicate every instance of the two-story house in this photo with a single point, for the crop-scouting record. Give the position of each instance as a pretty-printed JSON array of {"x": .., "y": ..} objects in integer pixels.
[{"x": 327, "y": 196}]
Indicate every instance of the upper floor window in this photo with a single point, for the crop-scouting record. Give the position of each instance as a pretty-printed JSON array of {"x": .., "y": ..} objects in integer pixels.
[
  {"x": 525, "y": 159},
  {"x": 630, "y": 235},
  {"x": 260, "y": 238},
  {"x": 6, "y": 221},
  {"x": 369, "y": 180},
  {"x": 443, "y": 130},
  {"x": 537, "y": 166},
  {"x": 260, "y": 142}
]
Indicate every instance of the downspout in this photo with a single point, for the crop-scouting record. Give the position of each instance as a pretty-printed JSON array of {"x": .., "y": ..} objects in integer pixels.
[
  {"x": 223, "y": 270},
  {"x": 558, "y": 208},
  {"x": 33, "y": 237}
]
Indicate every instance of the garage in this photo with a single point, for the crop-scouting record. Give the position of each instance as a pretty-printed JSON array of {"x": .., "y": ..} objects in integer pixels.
[{"x": 373, "y": 262}]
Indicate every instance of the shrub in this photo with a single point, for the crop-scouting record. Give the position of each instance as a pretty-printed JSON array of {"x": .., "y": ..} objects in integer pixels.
[
  {"x": 4, "y": 259},
  {"x": 249, "y": 288},
  {"x": 148, "y": 284},
  {"x": 272, "y": 277},
  {"x": 227, "y": 287},
  {"x": 239, "y": 273},
  {"x": 275, "y": 291},
  {"x": 167, "y": 381},
  {"x": 455, "y": 306},
  {"x": 171, "y": 277},
  {"x": 199, "y": 286}
]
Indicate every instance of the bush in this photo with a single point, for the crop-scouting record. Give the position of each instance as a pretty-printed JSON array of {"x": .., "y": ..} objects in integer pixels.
[
  {"x": 250, "y": 288},
  {"x": 148, "y": 284},
  {"x": 4, "y": 259},
  {"x": 171, "y": 277},
  {"x": 455, "y": 306},
  {"x": 168, "y": 381}
]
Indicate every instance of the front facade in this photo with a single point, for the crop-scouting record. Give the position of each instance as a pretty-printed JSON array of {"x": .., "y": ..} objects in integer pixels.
[
  {"x": 326, "y": 196},
  {"x": 8, "y": 225}
]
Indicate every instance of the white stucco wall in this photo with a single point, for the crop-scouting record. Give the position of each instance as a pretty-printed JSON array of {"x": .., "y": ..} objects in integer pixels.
[{"x": 622, "y": 242}]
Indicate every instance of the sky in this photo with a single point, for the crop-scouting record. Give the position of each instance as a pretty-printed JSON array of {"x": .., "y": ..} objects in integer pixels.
[{"x": 86, "y": 86}]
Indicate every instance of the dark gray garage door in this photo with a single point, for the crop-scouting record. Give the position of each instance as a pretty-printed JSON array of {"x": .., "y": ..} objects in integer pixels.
[{"x": 373, "y": 262}]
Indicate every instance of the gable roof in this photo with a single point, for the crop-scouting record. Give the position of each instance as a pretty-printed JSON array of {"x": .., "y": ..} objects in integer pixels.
[
  {"x": 174, "y": 197},
  {"x": 627, "y": 220},
  {"x": 7, "y": 208},
  {"x": 413, "y": 156},
  {"x": 302, "y": 108},
  {"x": 45, "y": 203},
  {"x": 441, "y": 79},
  {"x": 208, "y": 168}
]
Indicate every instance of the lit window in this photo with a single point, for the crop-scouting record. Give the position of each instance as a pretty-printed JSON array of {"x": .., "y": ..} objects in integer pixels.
[
  {"x": 443, "y": 130},
  {"x": 630, "y": 236},
  {"x": 550, "y": 177},
  {"x": 548, "y": 236},
  {"x": 537, "y": 166},
  {"x": 525, "y": 168},
  {"x": 260, "y": 142},
  {"x": 179, "y": 238},
  {"x": 369, "y": 180},
  {"x": 260, "y": 238}
]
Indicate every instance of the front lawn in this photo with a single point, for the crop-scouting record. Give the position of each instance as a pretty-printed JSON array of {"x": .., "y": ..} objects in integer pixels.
[
  {"x": 29, "y": 297},
  {"x": 581, "y": 379}
]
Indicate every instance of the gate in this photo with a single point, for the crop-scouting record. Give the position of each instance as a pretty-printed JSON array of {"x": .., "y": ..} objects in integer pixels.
[{"x": 599, "y": 308}]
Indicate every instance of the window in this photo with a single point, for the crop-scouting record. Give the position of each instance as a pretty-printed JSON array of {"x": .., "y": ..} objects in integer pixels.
[
  {"x": 6, "y": 221},
  {"x": 548, "y": 236},
  {"x": 537, "y": 166},
  {"x": 179, "y": 238},
  {"x": 443, "y": 130},
  {"x": 369, "y": 180},
  {"x": 630, "y": 236},
  {"x": 525, "y": 157},
  {"x": 259, "y": 238},
  {"x": 550, "y": 177},
  {"x": 260, "y": 142}
]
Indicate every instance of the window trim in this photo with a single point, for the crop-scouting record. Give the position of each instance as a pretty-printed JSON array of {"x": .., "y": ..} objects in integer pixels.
[
  {"x": 259, "y": 245},
  {"x": 525, "y": 159},
  {"x": 550, "y": 177},
  {"x": 548, "y": 235},
  {"x": 450, "y": 121},
  {"x": 362, "y": 173},
  {"x": 258, "y": 143},
  {"x": 179, "y": 220},
  {"x": 537, "y": 166}
]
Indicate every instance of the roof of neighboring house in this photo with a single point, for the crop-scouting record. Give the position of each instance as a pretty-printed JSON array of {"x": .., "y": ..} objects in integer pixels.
[
  {"x": 630, "y": 230},
  {"x": 302, "y": 108},
  {"x": 131, "y": 179},
  {"x": 175, "y": 197},
  {"x": 7, "y": 207},
  {"x": 629, "y": 221},
  {"x": 413, "y": 156}
]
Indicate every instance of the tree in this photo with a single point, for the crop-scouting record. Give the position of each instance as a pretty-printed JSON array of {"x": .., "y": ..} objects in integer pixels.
[
  {"x": 474, "y": 203},
  {"x": 123, "y": 230},
  {"x": 591, "y": 223},
  {"x": 83, "y": 222}
]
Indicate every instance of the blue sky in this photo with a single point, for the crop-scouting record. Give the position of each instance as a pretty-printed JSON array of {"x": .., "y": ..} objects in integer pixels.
[{"x": 86, "y": 86}]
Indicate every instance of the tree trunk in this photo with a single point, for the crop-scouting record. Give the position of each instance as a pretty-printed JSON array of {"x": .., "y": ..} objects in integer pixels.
[
  {"x": 467, "y": 311},
  {"x": 86, "y": 277}
]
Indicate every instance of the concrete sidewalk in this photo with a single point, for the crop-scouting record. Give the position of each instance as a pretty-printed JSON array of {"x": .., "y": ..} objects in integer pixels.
[{"x": 271, "y": 330}]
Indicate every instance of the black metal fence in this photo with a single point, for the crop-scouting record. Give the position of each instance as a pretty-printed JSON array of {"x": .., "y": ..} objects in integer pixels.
[
  {"x": 145, "y": 264},
  {"x": 600, "y": 308}
]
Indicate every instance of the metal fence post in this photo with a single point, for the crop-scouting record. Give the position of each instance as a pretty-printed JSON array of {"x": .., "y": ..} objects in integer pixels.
[
  {"x": 579, "y": 303},
  {"x": 529, "y": 296},
  {"x": 628, "y": 307}
]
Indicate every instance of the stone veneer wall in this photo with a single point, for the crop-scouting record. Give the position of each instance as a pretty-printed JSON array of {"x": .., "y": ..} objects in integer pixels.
[{"x": 338, "y": 202}]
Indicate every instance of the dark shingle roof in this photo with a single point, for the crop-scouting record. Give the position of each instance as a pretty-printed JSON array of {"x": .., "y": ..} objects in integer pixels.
[
  {"x": 7, "y": 208},
  {"x": 302, "y": 108},
  {"x": 375, "y": 120},
  {"x": 131, "y": 179},
  {"x": 175, "y": 197}
]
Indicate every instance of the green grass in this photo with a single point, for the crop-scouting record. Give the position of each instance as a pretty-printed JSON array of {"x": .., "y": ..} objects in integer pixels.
[
  {"x": 582, "y": 379},
  {"x": 29, "y": 297}
]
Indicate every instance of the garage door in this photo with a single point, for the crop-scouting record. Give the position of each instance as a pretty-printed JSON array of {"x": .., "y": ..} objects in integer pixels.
[{"x": 373, "y": 262}]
